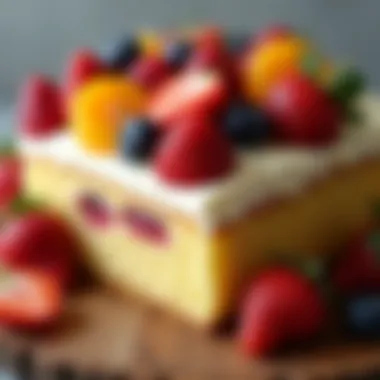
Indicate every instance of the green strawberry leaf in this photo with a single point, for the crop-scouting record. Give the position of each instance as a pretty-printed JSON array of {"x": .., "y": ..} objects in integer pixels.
[
  {"x": 7, "y": 148},
  {"x": 347, "y": 84},
  {"x": 22, "y": 205}
]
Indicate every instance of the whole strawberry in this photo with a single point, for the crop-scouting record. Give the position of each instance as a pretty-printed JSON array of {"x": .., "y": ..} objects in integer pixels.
[
  {"x": 193, "y": 152},
  {"x": 40, "y": 110},
  {"x": 302, "y": 112},
  {"x": 281, "y": 306},
  {"x": 39, "y": 241}
]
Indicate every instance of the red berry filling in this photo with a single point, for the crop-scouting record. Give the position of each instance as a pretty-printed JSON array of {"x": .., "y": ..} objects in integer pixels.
[
  {"x": 94, "y": 210},
  {"x": 145, "y": 226}
]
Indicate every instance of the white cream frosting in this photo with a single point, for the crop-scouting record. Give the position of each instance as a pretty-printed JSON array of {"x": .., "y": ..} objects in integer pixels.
[{"x": 262, "y": 174}]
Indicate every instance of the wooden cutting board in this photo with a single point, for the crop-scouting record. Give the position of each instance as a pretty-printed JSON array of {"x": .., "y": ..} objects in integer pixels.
[{"x": 101, "y": 331}]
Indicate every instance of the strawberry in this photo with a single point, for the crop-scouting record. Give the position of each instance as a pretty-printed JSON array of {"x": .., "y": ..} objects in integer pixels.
[
  {"x": 29, "y": 299},
  {"x": 40, "y": 107},
  {"x": 195, "y": 151},
  {"x": 41, "y": 241},
  {"x": 10, "y": 180},
  {"x": 150, "y": 71},
  {"x": 83, "y": 66},
  {"x": 192, "y": 93},
  {"x": 302, "y": 112},
  {"x": 359, "y": 267},
  {"x": 281, "y": 306}
]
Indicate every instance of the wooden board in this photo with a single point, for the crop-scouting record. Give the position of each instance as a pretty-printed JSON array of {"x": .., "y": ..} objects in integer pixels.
[{"x": 101, "y": 331}]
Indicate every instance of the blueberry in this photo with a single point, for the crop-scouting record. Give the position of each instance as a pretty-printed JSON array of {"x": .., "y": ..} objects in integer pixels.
[
  {"x": 245, "y": 125},
  {"x": 363, "y": 315},
  {"x": 123, "y": 53},
  {"x": 139, "y": 139},
  {"x": 238, "y": 42},
  {"x": 177, "y": 54}
]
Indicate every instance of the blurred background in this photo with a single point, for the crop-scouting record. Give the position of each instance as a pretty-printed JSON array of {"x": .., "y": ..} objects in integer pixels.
[{"x": 37, "y": 35}]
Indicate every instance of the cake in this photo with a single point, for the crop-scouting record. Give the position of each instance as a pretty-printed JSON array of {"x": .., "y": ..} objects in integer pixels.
[{"x": 186, "y": 176}]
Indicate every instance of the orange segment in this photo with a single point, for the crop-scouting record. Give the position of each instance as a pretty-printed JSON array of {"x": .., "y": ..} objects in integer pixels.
[
  {"x": 101, "y": 108},
  {"x": 265, "y": 66}
]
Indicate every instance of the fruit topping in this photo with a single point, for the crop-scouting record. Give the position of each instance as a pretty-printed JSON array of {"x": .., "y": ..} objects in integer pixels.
[
  {"x": 42, "y": 242},
  {"x": 10, "y": 180},
  {"x": 123, "y": 53},
  {"x": 177, "y": 54},
  {"x": 29, "y": 299},
  {"x": 268, "y": 63},
  {"x": 193, "y": 152},
  {"x": 94, "y": 210},
  {"x": 101, "y": 108},
  {"x": 150, "y": 71},
  {"x": 40, "y": 107},
  {"x": 145, "y": 226},
  {"x": 246, "y": 126},
  {"x": 84, "y": 65},
  {"x": 139, "y": 139},
  {"x": 281, "y": 306},
  {"x": 191, "y": 93},
  {"x": 302, "y": 112}
]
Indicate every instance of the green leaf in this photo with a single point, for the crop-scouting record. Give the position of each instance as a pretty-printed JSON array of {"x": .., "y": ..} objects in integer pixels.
[
  {"x": 347, "y": 84},
  {"x": 6, "y": 148},
  {"x": 22, "y": 205}
]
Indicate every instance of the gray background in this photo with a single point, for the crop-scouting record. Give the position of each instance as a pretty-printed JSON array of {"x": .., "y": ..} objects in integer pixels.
[{"x": 37, "y": 35}]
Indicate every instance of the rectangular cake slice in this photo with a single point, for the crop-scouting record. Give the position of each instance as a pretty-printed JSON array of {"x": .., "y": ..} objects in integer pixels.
[{"x": 191, "y": 249}]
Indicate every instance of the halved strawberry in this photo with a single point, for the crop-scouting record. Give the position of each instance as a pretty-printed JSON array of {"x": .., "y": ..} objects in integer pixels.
[
  {"x": 192, "y": 93},
  {"x": 29, "y": 299}
]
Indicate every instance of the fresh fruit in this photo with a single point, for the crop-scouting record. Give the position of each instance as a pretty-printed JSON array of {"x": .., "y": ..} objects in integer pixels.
[
  {"x": 10, "y": 180},
  {"x": 245, "y": 125},
  {"x": 151, "y": 43},
  {"x": 272, "y": 33},
  {"x": 269, "y": 63},
  {"x": 177, "y": 54},
  {"x": 40, "y": 107},
  {"x": 302, "y": 112},
  {"x": 359, "y": 266},
  {"x": 363, "y": 315},
  {"x": 189, "y": 94},
  {"x": 101, "y": 108},
  {"x": 193, "y": 152},
  {"x": 123, "y": 53},
  {"x": 139, "y": 139},
  {"x": 94, "y": 210},
  {"x": 29, "y": 299},
  {"x": 280, "y": 307},
  {"x": 150, "y": 71},
  {"x": 40, "y": 241},
  {"x": 83, "y": 66}
]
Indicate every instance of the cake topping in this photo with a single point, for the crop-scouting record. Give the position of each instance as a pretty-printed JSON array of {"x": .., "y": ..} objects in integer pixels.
[
  {"x": 193, "y": 152},
  {"x": 275, "y": 88},
  {"x": 100, "y": 110},
  {"x": 40, "y": 108},
  {"x": 139, "y": 139},
  {"x": 191, "y": 93},
  {"x": 246, "y": 126},
  {"x": 302, "y": 112},
  {"x": 83, "y": 65}
]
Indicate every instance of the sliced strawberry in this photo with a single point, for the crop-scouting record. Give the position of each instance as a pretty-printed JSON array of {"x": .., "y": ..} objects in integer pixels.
[
  {"x": 194, "y": 152},
  {"x": 29, "y": 299},
  {"x": 192, "y": 93},
  {"x": 40, "y": 107}
]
